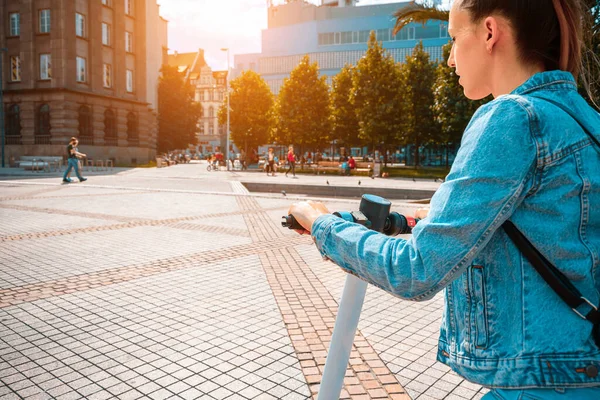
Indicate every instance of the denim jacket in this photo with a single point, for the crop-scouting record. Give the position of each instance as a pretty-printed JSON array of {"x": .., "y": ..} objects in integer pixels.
[{"x": 522, "y": 158}]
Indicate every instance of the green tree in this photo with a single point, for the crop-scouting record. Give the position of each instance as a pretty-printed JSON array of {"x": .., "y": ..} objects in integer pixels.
[
  {"x": 591, "y": 58},
  {"x": 251, "y": 109},
  {"x": 451, "y": 108},
  {"x": 419, "y": 76},
  {"x": 178, "y": 114},
  {"x": 303, "y": 109},
  {"x": 377, "y": 98},
  {"x": 343, "y": 115}
]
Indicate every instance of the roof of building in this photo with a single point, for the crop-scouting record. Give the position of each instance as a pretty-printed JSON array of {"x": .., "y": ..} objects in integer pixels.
[{"x": 188, "y": 63}]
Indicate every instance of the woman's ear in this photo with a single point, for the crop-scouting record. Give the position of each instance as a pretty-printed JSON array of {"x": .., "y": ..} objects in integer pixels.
[{"x": 492, "y": 32}]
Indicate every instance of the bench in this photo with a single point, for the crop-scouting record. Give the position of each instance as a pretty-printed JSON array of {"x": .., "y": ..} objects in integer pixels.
[
  {"x": 323, "y": 166},
  {"x": 40, "y": 163},
  {"x": 363, "y": 167}
]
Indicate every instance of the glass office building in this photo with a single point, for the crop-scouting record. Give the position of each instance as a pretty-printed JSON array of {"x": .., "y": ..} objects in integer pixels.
[{"x": 333, "y": 34}]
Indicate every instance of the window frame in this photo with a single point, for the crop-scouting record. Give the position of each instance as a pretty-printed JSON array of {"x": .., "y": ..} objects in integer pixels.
[
  {"x": 106, "y": 34},
  {"x": 107, "y": 78},
  {"x": 128, "y": 7},
  {"x": 129, "y": 86},
  {"x": 85, "y": 121},
  {"x": 42, "y": 126},
  {"x": 77, "y": 76},
  {"x": 13, "y": 120},
  {"x": 47, "y": 65},
  {"x": 18, "y": 68},
  {"x": 80, "y": 17},
  {"x": 128, "y": 42},
  {"x": 14, "y": 25},
  {"x": 41, "y": 12}
]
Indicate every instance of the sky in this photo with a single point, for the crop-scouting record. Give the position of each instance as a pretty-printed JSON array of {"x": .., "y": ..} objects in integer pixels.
[{"x": 215, "y": 24}]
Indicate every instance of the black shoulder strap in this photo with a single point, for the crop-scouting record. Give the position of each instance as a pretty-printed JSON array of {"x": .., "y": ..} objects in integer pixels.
[{"x": 556, "y": 279}]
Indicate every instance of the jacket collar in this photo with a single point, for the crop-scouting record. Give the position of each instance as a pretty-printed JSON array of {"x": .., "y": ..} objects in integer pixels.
[{"x": 556, "y": 79}]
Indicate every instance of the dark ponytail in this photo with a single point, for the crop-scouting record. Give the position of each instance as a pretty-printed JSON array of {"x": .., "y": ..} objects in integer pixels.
[{"x": 548, "y": 32}]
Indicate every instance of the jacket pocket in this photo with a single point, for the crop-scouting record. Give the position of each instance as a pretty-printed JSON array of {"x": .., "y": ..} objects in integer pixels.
[{"x": 479, "y": 316}]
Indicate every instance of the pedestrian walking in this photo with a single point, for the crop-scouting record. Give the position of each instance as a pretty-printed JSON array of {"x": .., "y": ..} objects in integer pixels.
[
  {"x": 291, "y": 158},
  {"x": 505, "y": 325},
  {"x": 271, "y": 162},
  {"x": 73, "y": 157}
]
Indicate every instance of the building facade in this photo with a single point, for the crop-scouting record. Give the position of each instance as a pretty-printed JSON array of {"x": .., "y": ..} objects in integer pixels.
[
  {"x": 333, "y": 34},
  {"x": 210, "y": 92},
  {"x": 82, "y": 68}
]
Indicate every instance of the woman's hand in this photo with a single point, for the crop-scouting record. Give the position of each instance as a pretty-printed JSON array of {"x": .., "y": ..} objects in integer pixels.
[
  {"x": 421, "y": 213},
  {"x": 306, "y": 212}
]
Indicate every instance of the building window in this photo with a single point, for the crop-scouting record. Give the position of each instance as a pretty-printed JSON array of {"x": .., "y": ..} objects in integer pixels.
[
  {"x": 211, "y": 129},
  {"x": 15, "y": 68},
  {"x": 42, "y": 131},
  {"x": 346, "y": 37},
  {"x": 129, "y": 42},
  {"x": 383, "y": 35},
  {"x": 129, "y": 76},
  {"x": 128, "y": 9},
  {"x": 81, "y": 70},
  {"x": 211, "y": 112},
  {"x": 105, "y": 34},
  {"x": 110, "y": 128},
  {"x": 443, "y": 30},
  {"x": 44, "y": 17},
  {"x": 107, "y": 76},
  {"x": 45, "y": 66},
  {"x": 15, "y": 24},
  {"x": 79, "y": 25},
  {"x": 132, "y": 128},
  {"x": 86, "y": 135},
  {"x": 363, "y": 36},
  {"x": 13, "y": 122},
  {"x": 406, "y": 33}
]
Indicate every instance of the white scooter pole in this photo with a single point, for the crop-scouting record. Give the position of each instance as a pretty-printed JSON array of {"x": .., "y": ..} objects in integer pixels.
[
  {"x": 342, "y": 338},
  {"x": 376, "y": 210}
]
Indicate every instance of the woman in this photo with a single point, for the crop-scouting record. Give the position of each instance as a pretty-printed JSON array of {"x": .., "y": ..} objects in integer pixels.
[
  {"x": 271, "y": 162},
  {"x": 291, "y": 159},
  {"x": 525, "y": 156}
]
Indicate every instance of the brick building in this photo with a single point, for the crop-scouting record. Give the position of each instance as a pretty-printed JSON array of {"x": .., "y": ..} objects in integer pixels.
[
  {"x": 85, "y": 68},
  {"x": 210, "y": 91}
]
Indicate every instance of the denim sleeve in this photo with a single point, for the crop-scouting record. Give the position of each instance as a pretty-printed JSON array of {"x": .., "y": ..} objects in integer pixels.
[{"x": 490, "y": 176}]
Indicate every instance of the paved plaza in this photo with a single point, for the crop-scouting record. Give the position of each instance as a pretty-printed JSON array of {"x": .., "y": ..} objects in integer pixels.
[{"x": 177, "y": 283}]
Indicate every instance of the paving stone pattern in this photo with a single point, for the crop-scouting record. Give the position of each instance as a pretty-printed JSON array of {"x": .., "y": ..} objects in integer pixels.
[{"x": 149, "y": 284}]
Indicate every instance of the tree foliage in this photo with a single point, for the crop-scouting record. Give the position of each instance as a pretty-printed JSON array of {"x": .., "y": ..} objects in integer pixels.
[
  {"x": 451, "y": 108},
  {"x": 343, "y": 115},
  {"x": 419, "y": 76},
  {"x": 303, "y": 108},
  {"x": 377, "y": 96},
  {"x": 251, "y": 111},
  {"x": 418, "y": 13},
  {"x": 178, "y": 114},
  {"x": 591, "y": 55}
]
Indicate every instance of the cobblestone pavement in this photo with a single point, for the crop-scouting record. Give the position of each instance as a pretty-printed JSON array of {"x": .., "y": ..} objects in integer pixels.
[{"x": 176, "y": 283}]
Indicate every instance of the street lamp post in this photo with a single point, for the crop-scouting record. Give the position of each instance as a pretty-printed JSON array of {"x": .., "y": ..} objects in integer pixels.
[
  {"x": 227, "y": 151},
  {"x": 2, "y": 132}
]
